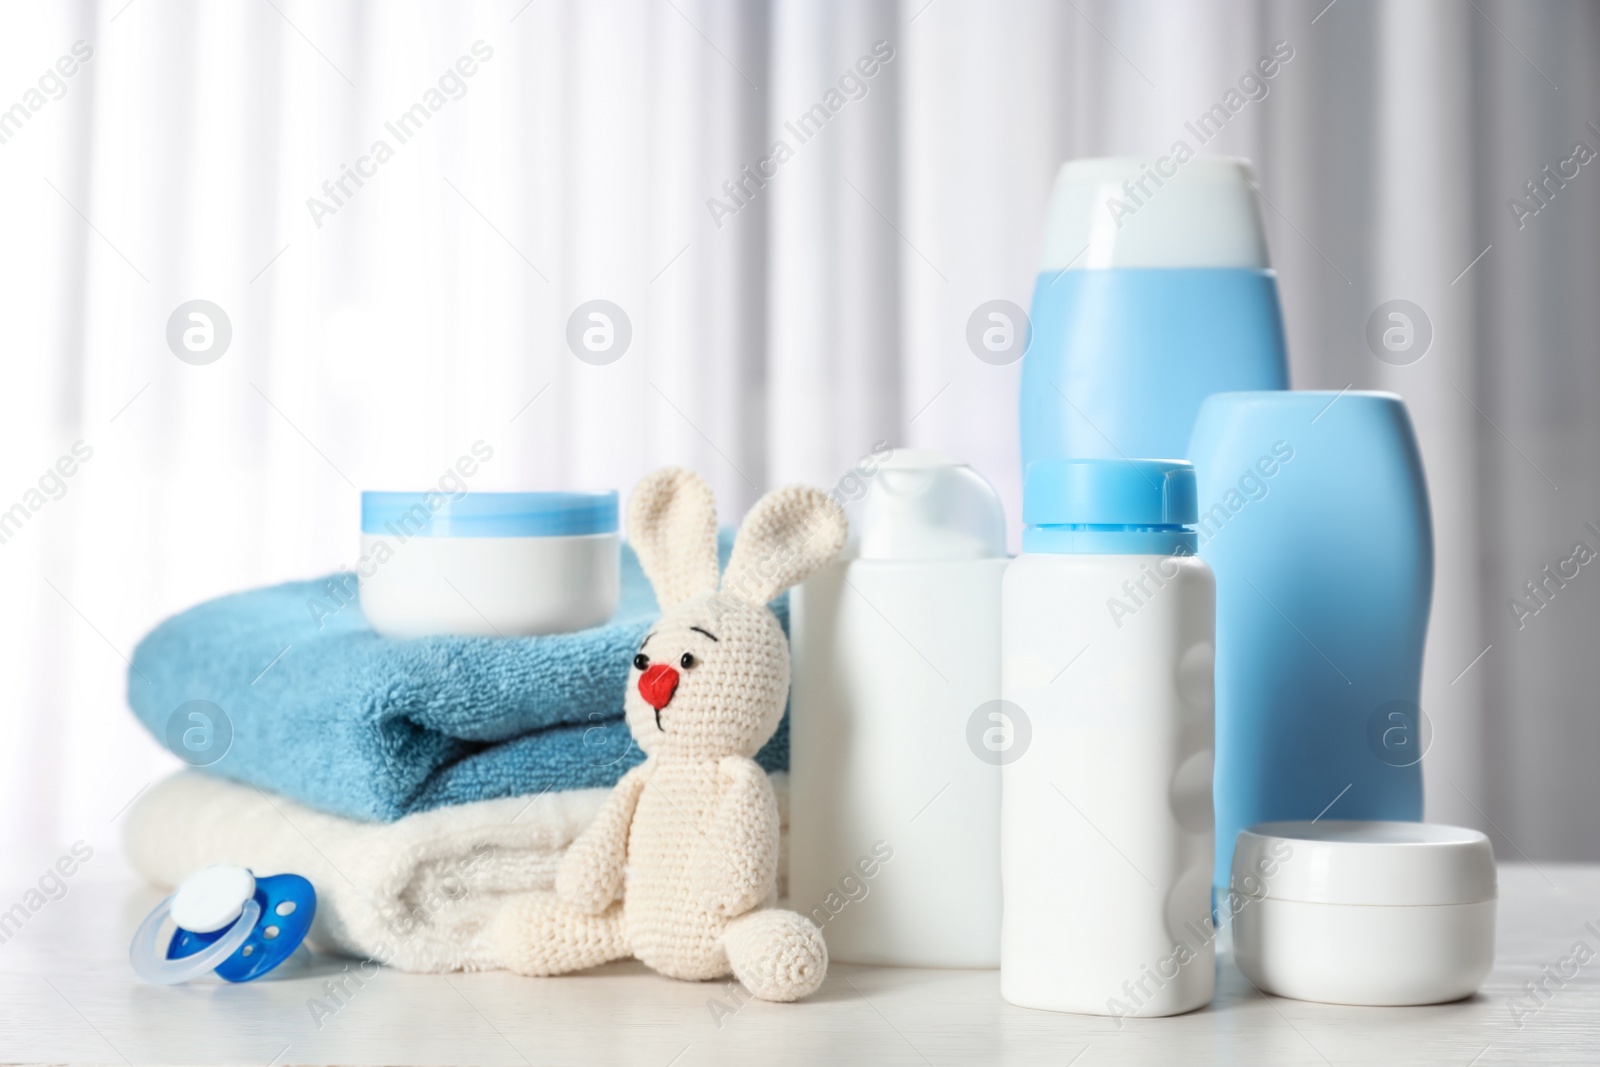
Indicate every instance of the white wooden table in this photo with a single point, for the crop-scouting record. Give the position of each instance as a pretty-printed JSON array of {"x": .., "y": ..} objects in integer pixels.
[{"x": 67, "y": 995}]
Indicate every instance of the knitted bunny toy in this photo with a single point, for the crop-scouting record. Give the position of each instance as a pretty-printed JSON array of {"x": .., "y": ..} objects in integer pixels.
[{"x": 679, "y": 868}]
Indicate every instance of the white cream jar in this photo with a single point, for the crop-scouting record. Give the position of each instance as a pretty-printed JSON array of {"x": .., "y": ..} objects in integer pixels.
[
  {"x": 488, "y": 564},
  {"x": 1383, "y": 913}
]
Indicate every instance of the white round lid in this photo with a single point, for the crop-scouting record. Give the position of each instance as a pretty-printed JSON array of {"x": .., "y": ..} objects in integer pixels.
[
  {"x": 1156, "y": 212},
  {"x": 212, "y": 898},
  {"x": 1349, "y": 862},
  {"x": 923, "y": 505}
]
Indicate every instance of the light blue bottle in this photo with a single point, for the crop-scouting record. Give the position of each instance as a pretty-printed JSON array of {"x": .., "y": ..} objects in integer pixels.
[
  {"x": 1314, "y": 518},
  {"x": 1155, "y": 292}
]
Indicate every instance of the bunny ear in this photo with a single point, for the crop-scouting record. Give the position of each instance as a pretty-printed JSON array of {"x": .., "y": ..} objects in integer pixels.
[
  {"x": 672, "y": 526},
  {"x": 788, "y": 535}
]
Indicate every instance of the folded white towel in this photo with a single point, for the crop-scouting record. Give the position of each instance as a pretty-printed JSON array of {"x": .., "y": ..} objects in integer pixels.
[{"x": 416, "y": 894}]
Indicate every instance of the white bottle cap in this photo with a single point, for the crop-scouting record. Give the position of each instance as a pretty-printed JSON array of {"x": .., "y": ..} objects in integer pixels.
[
  {"x": 1202, "y": 213},
  {"x": 923, "y": 505}
]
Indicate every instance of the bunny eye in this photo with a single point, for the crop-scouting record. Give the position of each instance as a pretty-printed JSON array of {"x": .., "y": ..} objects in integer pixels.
[
  {"x": 641, "y": 661},
  {"x": 687, "y": 661}
]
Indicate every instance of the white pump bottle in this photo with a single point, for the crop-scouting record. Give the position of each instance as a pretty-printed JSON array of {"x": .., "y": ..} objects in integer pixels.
[{"x": 896, "y": 735}]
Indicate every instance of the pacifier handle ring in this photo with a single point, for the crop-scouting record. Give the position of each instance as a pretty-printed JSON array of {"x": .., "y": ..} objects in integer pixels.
[{"x": 153, "y": 967}]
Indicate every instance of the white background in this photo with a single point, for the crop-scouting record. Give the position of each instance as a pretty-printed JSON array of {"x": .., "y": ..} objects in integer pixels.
[{"x": 429, "y": 310}]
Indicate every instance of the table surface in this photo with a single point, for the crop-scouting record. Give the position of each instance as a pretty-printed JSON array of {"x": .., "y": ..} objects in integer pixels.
[{"x": 67, "y": 995}]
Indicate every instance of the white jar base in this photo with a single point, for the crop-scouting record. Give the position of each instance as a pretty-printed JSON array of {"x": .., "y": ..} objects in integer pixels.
[
  {"x": 1365, "y": 954},
  {"x": 489, "y": 586}
]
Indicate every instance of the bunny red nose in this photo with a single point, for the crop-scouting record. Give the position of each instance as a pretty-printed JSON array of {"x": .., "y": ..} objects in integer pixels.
[{"x": 658, "y": 684}]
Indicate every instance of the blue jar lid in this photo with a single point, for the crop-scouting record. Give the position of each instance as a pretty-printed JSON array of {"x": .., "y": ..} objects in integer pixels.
[
  {"x": 477, "y": 514},
  {"x": 1109, "y": 506}
]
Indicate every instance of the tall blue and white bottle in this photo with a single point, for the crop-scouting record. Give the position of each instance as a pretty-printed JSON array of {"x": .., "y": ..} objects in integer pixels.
[{"x": 1155, "y": 291}]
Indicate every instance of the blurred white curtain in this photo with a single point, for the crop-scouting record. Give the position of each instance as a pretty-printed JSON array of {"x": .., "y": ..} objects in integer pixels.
[{"x": 775, "y": 338}]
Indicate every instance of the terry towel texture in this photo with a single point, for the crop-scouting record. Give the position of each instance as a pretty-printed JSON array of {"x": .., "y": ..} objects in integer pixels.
[
  {"x": 417, "y": 894},
  {"x": 329, "y": 713}
]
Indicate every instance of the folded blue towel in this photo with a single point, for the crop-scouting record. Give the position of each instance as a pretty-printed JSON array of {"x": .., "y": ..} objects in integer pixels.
[{"x": 326, "y": 711}]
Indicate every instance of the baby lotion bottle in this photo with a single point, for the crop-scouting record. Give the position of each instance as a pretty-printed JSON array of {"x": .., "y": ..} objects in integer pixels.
[
  {"x": 894, "y": 824},
  {"x": 1106, "y": 825}
]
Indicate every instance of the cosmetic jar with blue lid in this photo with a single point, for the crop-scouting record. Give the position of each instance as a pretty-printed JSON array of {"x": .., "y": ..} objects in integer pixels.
[{"x": 488, "y": 564}]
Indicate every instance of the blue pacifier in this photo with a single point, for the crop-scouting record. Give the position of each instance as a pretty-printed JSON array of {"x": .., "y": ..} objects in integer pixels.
[{"x": 228, "y": 921}]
